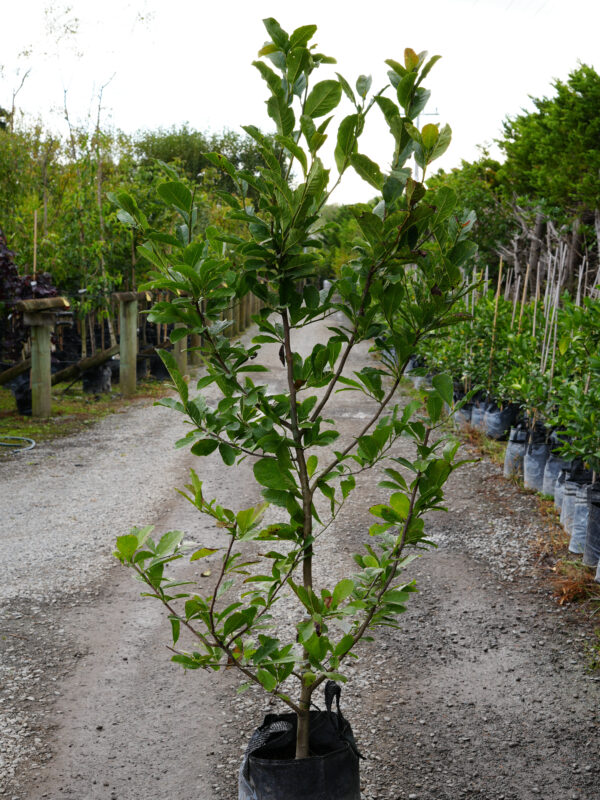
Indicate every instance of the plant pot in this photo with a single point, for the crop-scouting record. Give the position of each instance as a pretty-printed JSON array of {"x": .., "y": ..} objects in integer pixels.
[
  {"x": 477, "y": 415},
  {"x": 579, "y": 524},
  {"x": 553, "y": 466},
  {"x": 515, "y": 452},
  {"x": 591, "y": 553},
  {"x": 497, "y": 423},
  {"x": 559, "y": 488},
  {"x": 462, "y": 416},
  {"x": 567, "y": 512},
  {"x": 270, "y": 771},
  {"x": 534, "y": 463}
]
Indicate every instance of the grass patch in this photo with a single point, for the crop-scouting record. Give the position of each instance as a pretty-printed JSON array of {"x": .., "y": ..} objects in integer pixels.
[
  {"x": 573, "y": 582},
  {"x": 491, "y": 448},
  {"x": 71, "y": 412}
]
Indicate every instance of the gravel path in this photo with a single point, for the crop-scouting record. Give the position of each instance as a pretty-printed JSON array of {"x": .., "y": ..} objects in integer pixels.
[{"x": 481, "y": 694}]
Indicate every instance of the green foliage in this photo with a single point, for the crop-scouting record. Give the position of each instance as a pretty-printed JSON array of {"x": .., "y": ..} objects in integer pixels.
[{"x": 400, "y": 287}]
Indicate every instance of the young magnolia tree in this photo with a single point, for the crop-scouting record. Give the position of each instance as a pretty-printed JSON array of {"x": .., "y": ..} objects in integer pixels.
[{"x": 401, "y": 286}]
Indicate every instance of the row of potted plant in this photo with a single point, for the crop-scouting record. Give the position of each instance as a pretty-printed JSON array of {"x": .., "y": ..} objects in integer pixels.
[{"x": 534, "y": 371}]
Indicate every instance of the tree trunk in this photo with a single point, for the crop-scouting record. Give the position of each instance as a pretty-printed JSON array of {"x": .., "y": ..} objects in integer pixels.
[
  {"x": 575, "y": 242},
  {"x": 535, "y": 249}
]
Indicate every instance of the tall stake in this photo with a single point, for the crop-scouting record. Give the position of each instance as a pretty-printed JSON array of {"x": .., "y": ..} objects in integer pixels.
[
  {"x": 34, "y": 242},
  {"x": 535, "y": 302},
  {"x": 494, "y": 325},
  {"x": 515, "y": 301},
  {"x": 525, "y": 285}
]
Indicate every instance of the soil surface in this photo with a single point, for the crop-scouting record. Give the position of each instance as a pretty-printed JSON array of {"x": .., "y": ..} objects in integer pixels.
[{"x": 483, "y": 692}]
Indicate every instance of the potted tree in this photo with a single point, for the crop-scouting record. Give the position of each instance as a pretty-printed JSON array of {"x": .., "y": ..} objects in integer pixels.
[{"x": 400, "y": 287}]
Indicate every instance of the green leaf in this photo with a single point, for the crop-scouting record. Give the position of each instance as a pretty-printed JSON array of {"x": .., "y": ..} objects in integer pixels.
[
  {"x": 368, "y": 170},
  {"x": 204, "y": 447},
  {"x": 401, "y": 504},
  {"x": 175, "y": 194},
  {"x": 175, "y": 628},
  {"x": 273, "y": 80},
  {"x": 346, "y": 141},
  {"x": 311, "y": 465},
  {"x": 347, "y": 88},
  {"x": 302, "y": 35},
  {"x": 429, "y": 135},
  {"x": 294, "y": 149},
  {"x": 443, "y": 142},
  {"x": 442, "y": 383},
  {"x": 281, "y": 114},
  {"x": 228, "y": 453},
  {"x": 268, "y": 472},
  {"x": 323, "y": 98},
  {"x": 168, "y": 360},
  {"x": 434, "y": 406},
  {"x": 127, "y": 545},
  {"x": 169, "y": 542},
  {"x": 276, "y": 32},
  {"x": 342, "y": 590},
  {"x": 268, "y": 681},
  {"x": 363, "y": 84},
  {"x": 202, "y": 553}
]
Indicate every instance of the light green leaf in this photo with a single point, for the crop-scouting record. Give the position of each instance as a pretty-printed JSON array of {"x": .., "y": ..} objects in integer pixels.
[
  {"x": 323, "y": 98},
  {"x": 169, "y": 542},
  {"x": 311, "y": 465},
  {"x": 342, "y": 590},
  {"x": 127, "y": 545},
  {"x": 202, "y": 553}
]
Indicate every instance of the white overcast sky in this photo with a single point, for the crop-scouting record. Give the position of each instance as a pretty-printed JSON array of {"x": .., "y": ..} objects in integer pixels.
[{"x": 175, "y": 61}]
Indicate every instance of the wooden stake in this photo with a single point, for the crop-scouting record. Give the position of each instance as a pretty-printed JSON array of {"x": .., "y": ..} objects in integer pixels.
[
  {"x": 494, "y": 324},
  {"x": 515, "y": 301},
  {"x": 535, "y": 302},
  {"x": 525, "y": 285},
  {"x": 34, "y": 243}
]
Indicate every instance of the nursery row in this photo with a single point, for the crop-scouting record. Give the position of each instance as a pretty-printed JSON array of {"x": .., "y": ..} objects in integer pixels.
[{"x": 531, "y": 371}]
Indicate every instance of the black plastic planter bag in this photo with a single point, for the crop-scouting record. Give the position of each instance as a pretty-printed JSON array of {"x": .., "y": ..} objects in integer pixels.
[
  {"x": 579, "y": 526},
  {"x": 534, "y": 463},
  {"x": 553, "y": 466},
  {"x": 270, "y": 771},
  {"x": 591, "y": 554},
  {"x": 462, "y": 416},
  {"x": 559, "y": 488},
  {"x": 496, "y": 423},
  {"x": 477, "y": 415},
  {"x": 567, "y": 512},
  {"x": 515, "y": 452}
]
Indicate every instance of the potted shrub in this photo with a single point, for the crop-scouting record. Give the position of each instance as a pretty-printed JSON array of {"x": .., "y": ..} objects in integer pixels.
[{"x": 400, "y": 287}]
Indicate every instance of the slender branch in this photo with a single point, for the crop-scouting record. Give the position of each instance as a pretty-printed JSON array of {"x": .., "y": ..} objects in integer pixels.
[
  {"x": 348, "y": 348},
  {"x": 353, "y": 444},
  {"x": 394, "y": 571}
]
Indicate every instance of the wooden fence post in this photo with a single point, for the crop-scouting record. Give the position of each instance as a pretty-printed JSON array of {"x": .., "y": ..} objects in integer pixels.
[
  {"x": 38, "y": 314},
  {"x": 195, "y": 341},
  {"x": 128, "y": 342}
]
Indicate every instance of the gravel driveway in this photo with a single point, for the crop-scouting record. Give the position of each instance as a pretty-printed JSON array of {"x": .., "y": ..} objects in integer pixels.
[{"x": 483, "y": 693}]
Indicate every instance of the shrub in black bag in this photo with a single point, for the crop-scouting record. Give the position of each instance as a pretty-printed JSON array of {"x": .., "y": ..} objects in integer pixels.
[
  {"x": 270, "y": 771},
  {"x": 591, "y": 553},
  {"x": 496, "y": 422},
  {"x": 515, "y": 451},
  {"x": 477, "y": 415},
  {"x": 534, "y": 464}
]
